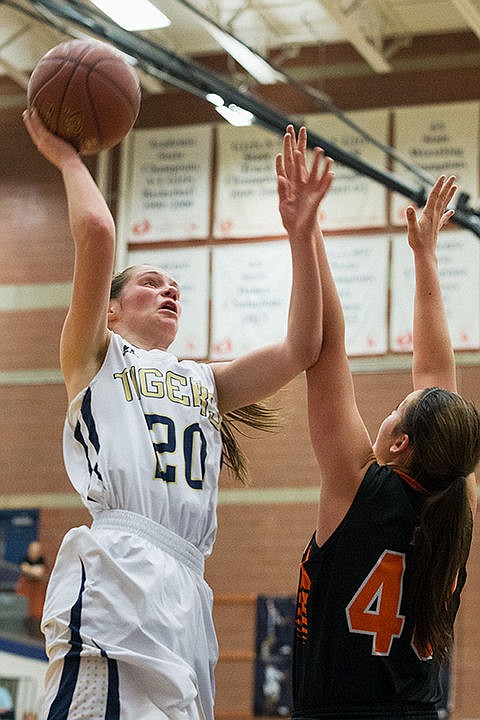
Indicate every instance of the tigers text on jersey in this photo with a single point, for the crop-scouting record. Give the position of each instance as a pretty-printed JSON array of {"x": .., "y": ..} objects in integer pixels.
[
  {"x": 127, "y": 602},
  {"x": 144, "y": 436},
  {"x": 354, "y": 647}
]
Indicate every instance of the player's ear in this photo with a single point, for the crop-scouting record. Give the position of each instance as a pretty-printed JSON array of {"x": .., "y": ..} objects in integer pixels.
[
  {"x": 113, "y": 312},
  {"x": 400, "y": 444}
]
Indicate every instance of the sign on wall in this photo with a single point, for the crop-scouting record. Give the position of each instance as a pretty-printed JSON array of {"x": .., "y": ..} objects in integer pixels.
[
  {"x": 246, "y": 199},
  {"x": 166, "y": 184},
  {"x": 167, "y": 178},
  {"x": 459, "y": 270},
  {"x": 360, "y": 271},
  {"x": 443, "y": 140},
  {"x": 250, "y": 296},
  {"x": 354, "y": 200}
]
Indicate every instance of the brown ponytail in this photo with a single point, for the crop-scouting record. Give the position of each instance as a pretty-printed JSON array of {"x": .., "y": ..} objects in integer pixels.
[
  {"x": 257, "y": 416},
  {"x": 441, "y": 547},
  {"x": 445, "y": 433}
]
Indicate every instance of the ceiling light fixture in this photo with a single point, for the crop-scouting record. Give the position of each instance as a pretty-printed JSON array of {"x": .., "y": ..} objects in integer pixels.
[
  {"x": 235, "y": 115},
  {"x": 137, "y": 15}
]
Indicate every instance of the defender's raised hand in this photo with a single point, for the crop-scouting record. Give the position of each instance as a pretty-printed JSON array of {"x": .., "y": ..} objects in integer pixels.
[
  {"x": 301, "y": 190},
  {"x": 423, "y": 231}
]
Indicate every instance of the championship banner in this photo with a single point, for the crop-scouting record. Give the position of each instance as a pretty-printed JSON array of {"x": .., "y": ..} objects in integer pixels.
[
  {"x": 273, "y": 657},
  {"x": 190, "y": 268},
  {"x": 459, "y": 269},
  {"x": 360, "y": 271},
  {"x": 246, "y": 200},
  {"x": 166, "y": 180},
  {"x": 354, "y": 200},
  {"x": 443, "y": 140},
  {"x": 250, "y": 296}
]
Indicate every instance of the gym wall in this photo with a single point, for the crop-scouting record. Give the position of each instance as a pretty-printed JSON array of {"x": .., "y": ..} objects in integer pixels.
[{"x": 264, "y": 528}]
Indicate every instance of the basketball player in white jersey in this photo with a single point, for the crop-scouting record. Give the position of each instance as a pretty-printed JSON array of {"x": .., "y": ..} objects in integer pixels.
[{"x": 128, "y": 614}]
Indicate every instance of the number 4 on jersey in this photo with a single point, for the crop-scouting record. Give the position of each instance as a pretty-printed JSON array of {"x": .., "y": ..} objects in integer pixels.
[{"x": 374, "y": 609}]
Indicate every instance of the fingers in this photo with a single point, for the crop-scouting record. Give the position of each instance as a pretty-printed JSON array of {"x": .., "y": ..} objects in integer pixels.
[
  {"x": 441, "y": 194},
  {"x": 279, "y": 165},
  {"x": 288, "y": 149},
  {"x": 54, "y": 148},
  {"x": 291, "y": 162},
  {"x": 326, "y": 175},
  {"x": 294, "y": 152},
  {"x": 34, "y": 126},
  {"x": 447, "y": 191},
  {"x": 445, "y": 218},
  {"x": 302, "y": 140},
  {"x": 411, "y": 218}
]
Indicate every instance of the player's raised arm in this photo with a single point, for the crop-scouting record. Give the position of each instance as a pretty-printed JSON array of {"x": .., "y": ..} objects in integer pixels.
[
  {"x": 84, "y": 337},
  {"x": 433, "y": 358}
]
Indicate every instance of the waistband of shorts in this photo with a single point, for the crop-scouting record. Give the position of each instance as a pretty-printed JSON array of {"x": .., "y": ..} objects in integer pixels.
[
  {"x": 416, "y": 711},
  {"x": 176, "y": 546}
]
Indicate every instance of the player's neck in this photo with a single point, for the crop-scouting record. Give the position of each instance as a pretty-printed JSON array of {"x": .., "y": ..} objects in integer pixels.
[{"x": 141, "y": 341}]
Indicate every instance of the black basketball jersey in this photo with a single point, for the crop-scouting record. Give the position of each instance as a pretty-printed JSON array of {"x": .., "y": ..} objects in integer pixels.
[{"x": 354, "y": 647}]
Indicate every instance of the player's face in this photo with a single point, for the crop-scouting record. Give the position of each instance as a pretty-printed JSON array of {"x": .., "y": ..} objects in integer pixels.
[
  {"x": 390, "y": 430},
  {"x": 149, "y": 305}
]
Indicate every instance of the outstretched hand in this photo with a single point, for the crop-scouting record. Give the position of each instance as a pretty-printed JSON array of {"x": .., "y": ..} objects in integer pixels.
[
  {"x": 300, "y": 190},
  {"x": 52, "y": 147},
  {"x": 423, "y": 231}
]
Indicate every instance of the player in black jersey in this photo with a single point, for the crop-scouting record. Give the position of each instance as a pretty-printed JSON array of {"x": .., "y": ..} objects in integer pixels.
[{"x": 381, "y": 577}]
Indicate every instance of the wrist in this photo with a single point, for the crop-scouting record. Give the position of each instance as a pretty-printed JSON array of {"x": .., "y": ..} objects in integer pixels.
[{"x": 427, "y": 256}]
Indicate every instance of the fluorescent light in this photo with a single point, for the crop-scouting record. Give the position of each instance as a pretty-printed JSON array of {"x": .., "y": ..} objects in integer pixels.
[
  {"x": 248, "y": 59},
  {"x": 133, "y": 15},
  {"x": 215, "y": 99},
  {"x": 235, "y": 115}
]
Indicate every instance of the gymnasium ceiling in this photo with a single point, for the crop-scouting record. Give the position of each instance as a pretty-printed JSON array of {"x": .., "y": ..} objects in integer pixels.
[
  {"x": 295, "y": 39},
  {"x": 377, "y": 29}
]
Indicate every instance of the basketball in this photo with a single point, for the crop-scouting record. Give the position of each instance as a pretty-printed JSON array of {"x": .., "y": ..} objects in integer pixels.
[{"x": 85, "y": 92}]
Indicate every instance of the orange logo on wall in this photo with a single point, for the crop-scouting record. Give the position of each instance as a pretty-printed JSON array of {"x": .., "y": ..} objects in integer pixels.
[{"x": 142, "y": 227}]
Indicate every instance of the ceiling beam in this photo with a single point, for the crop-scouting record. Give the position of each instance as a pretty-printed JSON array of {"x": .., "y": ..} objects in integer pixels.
[
  {"x": 194, "y": 78},
  {"x": 370, "y": 48},
  {"x": 470, "y": 11}
]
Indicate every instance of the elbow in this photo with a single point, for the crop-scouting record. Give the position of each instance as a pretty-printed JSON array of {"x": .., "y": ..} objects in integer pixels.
[
  {"x": 311, "y": 357},
  {"x": 306, "y": 355},
  {"x": 95, "y": 228}
]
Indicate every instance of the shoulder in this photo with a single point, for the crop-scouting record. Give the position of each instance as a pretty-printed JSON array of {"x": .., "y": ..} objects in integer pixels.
[
  {"x": 200, "y": 370},
  {"x": 381, "y": 506},
  {"x": 383, "y": 487}
]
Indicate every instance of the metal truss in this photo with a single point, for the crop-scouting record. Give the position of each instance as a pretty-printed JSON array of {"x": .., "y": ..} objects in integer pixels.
[
  {"x": 470, "y": 11},
  {"x": 371, "y": 27},
  {"x": 163, "y": 65}
]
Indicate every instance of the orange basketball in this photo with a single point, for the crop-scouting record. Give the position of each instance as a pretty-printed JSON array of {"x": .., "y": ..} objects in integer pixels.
[{"x": 86, "y": 93}]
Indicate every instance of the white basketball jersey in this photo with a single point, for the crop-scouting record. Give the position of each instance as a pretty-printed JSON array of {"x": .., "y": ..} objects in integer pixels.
[{"x": 144, "y": 436}]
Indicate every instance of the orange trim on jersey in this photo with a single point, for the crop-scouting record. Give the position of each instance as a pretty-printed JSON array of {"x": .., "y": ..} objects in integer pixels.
[
  {"x": 301, "y": 617},
  {"x": 414, "y": 484}
]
